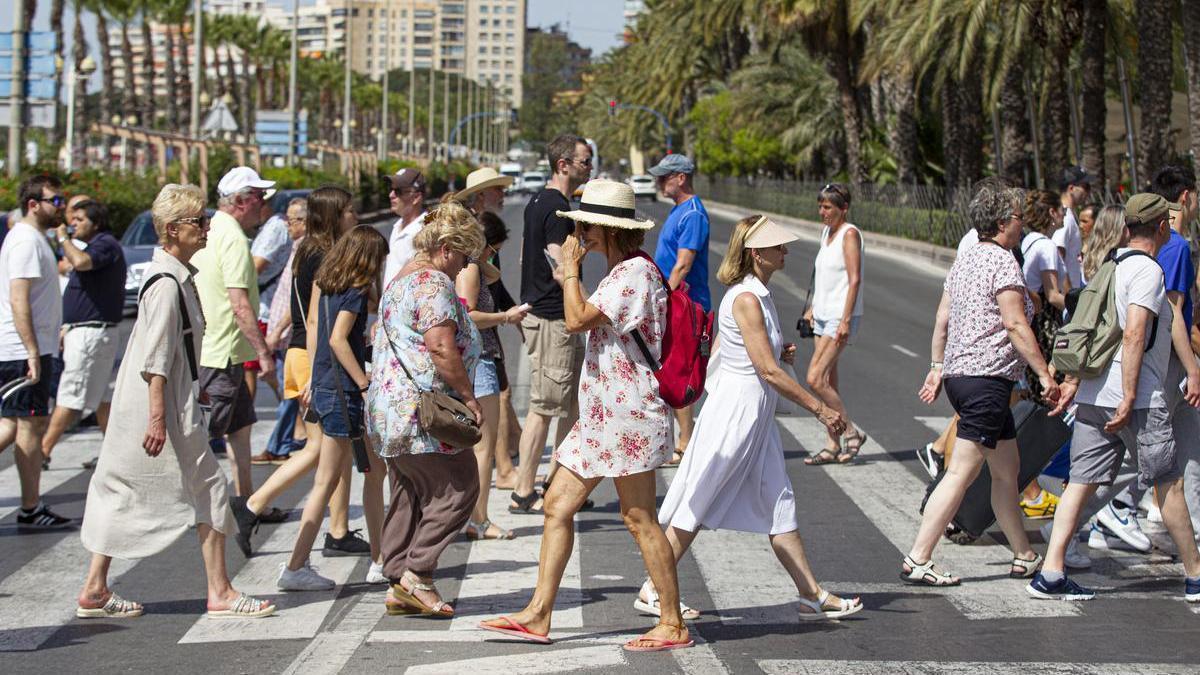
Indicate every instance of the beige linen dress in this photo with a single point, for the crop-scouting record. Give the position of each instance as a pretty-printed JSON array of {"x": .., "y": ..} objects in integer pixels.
[{"x": 137, "y": 505}]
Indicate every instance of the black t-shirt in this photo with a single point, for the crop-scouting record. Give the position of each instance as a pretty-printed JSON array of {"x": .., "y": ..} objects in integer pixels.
[
  {"x": 352, "y": 300},
  {"x": 303, "y": 281},
  {"x": 99, "y": 293},
  {"x": 542, "y": 228}
]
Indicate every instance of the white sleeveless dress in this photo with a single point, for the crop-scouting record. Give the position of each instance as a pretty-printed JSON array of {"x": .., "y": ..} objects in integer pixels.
[
  {"x": 733, "y": 475},
  {"x": 831, "y": 283}
]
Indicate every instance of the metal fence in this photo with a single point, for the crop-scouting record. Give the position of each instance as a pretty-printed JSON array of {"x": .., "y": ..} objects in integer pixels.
[{"x": 921, "y": 212}]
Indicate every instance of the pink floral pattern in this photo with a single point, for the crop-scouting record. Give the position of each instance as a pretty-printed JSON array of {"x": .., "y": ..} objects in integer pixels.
[
  {"x": 624, "y": 426},
  {"x": 977, "y": 343}
]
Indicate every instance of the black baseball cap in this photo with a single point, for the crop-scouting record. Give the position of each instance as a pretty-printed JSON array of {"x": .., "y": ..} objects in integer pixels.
[
  {"x": 1076, "y": 175},
  {"x": 407, "y": 178}
]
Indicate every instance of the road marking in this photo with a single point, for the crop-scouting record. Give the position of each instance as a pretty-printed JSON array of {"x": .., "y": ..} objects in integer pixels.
[
  {"x": 523, "y": 663},
  {"x": 70, "y": 452},
  {"x": 815, "y": 667},
  {"x": 935, "y": 424},
  {"x": 328, "y": 653},
  {"x": 904, "y": 351},
  {"x": 477, "y": 636}
]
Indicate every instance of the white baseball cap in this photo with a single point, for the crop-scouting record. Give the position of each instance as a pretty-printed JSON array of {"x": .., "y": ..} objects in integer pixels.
[{"x": 242, "y": 177}]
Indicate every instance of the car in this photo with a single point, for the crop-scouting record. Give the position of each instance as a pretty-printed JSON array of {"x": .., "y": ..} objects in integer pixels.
[
  {"x": 513, "y": 171},
  {"x": 643, "y": 186},
  {"x": 533, "y": 182}
]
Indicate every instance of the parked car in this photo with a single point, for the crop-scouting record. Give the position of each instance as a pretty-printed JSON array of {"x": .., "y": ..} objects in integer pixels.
[
  {"x": 643, "y": 186},
  {"x": 513, "y": 171},
  {"x": 533, "y": 182}
]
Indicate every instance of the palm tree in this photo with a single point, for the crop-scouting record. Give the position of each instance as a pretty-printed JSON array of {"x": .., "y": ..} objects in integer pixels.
[
  {"x": 124, "y": 11},
  {"x": 1094, "y": 25},
  {"x": 56, "y": 24},
  {"x": 147, "y": 8},
  {"x": 1154, "y": 74},
  {"x": 1190, "y": 14},
  {"x": 78, "y": 54},
  {"x": 172, "y": 14},
  {"x": 100, "y": 9}
]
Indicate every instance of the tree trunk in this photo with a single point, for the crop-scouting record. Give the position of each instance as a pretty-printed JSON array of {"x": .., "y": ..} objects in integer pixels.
[
  {"x": 78, "y": 54},
  {"x": 247, "y": 98},
  {"x": 1092, "y": 89},
  {"x": 902, "y": 125},
  {"x": 106, "y": 72},
  {"x": 56, "y": 24},
  {"x": 172, "y": 87},
  {"x": 1190, "y": 12},
  {"x": 30, "y": 13},
  {"x": 951, "y": 134},
  {"x": 1014, "y": 125},
  {"x": 1154, "y": 87},
  {"x": 147, "y": 74},
  {"x": 970, "y": 158},
  {"x": 851, "y": 121},
  {"x": 231, "y": 86},
  {"x": 130, "y": 103},
  {"x": 185, "y": 78},
  {"x": 1056, "y": 115}
]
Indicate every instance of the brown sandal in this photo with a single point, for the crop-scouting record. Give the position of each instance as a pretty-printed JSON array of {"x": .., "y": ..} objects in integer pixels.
[{"x": 825, "y": 456}]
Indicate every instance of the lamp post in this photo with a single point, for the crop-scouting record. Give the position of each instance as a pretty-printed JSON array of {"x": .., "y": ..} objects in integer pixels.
[
  {"x": 346, "y": 87},
  {"x": 198, "y": 41},
  {"x": 293, "y": 127},
  {"x": 86, "y": 68}
]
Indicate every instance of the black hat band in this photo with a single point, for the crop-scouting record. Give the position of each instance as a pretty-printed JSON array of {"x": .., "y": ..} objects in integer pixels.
[{"x": 607, "y": 210}]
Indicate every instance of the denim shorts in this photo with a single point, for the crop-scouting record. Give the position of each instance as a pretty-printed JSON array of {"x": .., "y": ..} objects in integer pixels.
[
  {"x": 333, "y": 423},
  {"x": 487, "y": 379},
  {"x": 829, "y": 327}
]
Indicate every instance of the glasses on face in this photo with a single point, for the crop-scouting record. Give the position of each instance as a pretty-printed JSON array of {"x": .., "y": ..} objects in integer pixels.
[
  {"x": 57, "y": 200},
  {"x": 297, "y": 220},
  {"x": 199, "y": 221},
  {"x": 583, "y": 162}
]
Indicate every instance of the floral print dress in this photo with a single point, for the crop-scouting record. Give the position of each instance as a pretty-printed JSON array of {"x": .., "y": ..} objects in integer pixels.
[
  {"x": 624, "y": 426},
  {"x": 412, "y": 305}
]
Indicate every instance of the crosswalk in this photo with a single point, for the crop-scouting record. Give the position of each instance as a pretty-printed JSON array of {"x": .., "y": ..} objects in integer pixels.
[{"x": 733, "y": 577}]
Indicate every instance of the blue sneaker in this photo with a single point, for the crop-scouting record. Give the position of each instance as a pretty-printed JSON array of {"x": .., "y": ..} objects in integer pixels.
[
  {"x": 1063, "y": 590},
  {"x": 1191, "y": 589}
]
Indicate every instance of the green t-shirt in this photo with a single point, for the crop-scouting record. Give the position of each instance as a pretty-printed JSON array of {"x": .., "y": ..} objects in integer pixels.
[{"x": 225, "y": 263}]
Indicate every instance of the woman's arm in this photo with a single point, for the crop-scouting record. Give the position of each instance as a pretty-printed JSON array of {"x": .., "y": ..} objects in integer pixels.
[
  {"x": 448, "y": 362},
  {"x": 339, "y": 344},
  {"x": 310, "y": 339},
  {"x": 1012, "y": 314},
  {"x": 1053, "y": 288},
  {"x": 467, "y": 287},
  {"x": 937, "y": 350},
  {"x": 156, "y": 429},
  {"x": 276, "y": 334},
  {"x": 852, "y": 252},
  {"x": 581, "y": 316}
]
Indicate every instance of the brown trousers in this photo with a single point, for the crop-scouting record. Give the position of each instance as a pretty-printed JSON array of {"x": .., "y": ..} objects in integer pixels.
[{"x": 432, "y": 498}]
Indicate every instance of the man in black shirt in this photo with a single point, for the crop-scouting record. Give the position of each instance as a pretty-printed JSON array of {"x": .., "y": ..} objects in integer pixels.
[{"x": 555, "y": 357}]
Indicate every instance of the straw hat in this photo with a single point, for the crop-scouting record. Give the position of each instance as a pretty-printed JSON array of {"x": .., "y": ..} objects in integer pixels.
[
  {"x": 607, "y": 203},
  {"x": 482, "y": 179},
  {"x": 765, "y": 233}
]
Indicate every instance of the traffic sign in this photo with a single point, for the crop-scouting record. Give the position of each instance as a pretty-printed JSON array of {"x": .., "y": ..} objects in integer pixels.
[
  {"x": 36, "y": 64},
  {"x": 273, "y": 130},
  {"x": 37, "y": 113},
  {"x": 34, "y": 88},
  {"x": 39, "y": 41}
]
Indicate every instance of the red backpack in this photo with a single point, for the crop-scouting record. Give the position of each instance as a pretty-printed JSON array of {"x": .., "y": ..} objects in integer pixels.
[{"x": 686, "y": 346}]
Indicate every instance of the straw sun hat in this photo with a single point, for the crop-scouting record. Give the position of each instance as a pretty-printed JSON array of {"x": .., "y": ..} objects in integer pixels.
[
  {"x": 607, "y": 203},
  {"x": 482, "y": 179}
]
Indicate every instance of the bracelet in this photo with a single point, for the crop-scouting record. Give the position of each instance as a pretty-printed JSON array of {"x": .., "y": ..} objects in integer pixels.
[
  {"x": 365, "y": 388},
  {"x": 935, "y": 365},
  {"x": 573, "y": 276}
]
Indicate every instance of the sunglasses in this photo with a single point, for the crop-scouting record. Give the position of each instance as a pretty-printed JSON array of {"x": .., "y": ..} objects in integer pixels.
[
  {"x": 57, "y": 200},
  {"x": 199, "y": 221}
]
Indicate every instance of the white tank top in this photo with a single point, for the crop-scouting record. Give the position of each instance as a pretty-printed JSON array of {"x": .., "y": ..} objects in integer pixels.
[{"x": 831, "y": 283}]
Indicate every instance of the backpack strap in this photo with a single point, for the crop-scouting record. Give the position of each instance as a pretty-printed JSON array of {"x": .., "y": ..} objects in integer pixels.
[
  {"x": 188, "y": 346},
  {"x": 1033, "y": 240},
  {"x": 1153, "y": 324}
]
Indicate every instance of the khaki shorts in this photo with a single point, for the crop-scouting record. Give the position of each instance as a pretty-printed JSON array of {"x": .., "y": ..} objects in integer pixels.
[
  {"x": 555, "y": 361},
  {"x": 89, "y": 353},
  {"x": 296, "y": 372},
  {"x": 1096, "y": 454}
]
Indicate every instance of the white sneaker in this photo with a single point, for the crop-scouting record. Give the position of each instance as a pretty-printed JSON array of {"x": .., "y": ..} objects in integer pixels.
[
  {"x": 1074, "y": 558},
  {"x": 375, "y": 574},
  {"x": 303, "y": 579},
  {"x": 1123, "y": 523},
  {"x": 1102, "y": 540}
]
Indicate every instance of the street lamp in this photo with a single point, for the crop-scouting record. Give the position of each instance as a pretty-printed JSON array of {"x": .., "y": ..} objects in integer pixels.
[{"x": 86, "y": 67}]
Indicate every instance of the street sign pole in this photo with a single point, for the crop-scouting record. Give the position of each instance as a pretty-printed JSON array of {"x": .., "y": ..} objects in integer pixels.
[{"x": 16, "y": 124}]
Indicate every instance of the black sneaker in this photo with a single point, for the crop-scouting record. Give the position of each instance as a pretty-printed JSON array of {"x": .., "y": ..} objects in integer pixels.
[
  {"x": 45, "y": 463},
  {"x": 247, "y": 523},
  {"x": 90, "y": 465},
  {"x": 351, "y": 544},
  {"x": 42, "y": 518}
]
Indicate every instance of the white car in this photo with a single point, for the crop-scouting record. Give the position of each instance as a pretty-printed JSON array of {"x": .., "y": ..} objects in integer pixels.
[
  {"x": 643, "y": 186},
  {"x": 533, "y": 182}
]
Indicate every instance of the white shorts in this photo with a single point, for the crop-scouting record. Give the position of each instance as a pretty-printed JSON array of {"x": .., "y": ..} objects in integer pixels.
[{"x": 88, "y": 356}]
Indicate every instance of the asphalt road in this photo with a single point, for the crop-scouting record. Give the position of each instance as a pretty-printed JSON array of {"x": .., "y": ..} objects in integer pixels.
[{"x": 856, "y": 521}]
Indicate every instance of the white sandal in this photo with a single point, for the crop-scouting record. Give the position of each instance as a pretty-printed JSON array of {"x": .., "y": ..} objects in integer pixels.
[
  {"x": 115, "y": 608},
  {"x": 927, "y": 574},
  {"x": 244, "y": 607},
  {"x": 652, "y": 607},
  {"x": 843, "y": 608}
]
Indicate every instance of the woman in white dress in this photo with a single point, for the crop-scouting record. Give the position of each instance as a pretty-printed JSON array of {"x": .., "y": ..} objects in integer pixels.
[
  {"x": 156, "y": 476},
  {"x": 733, "y": 475},
  {"x": 624, "y": 430}
]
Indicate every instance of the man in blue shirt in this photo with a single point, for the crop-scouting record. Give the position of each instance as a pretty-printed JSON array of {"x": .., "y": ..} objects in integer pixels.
[{"x": 682, "y": 252}]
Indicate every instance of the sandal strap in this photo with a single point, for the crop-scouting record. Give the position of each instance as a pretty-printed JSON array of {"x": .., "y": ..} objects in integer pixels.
[{"x": 118, "y": 605}]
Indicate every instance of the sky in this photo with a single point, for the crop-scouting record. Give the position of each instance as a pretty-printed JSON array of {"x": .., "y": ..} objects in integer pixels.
[{"x": 596, "y": 24}]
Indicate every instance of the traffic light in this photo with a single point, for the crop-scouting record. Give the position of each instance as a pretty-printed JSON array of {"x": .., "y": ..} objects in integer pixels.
[{"x": 612, "y": 108}]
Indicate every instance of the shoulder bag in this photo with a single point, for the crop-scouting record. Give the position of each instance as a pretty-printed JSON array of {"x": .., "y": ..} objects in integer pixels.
[{"x": 361, "y": 461}]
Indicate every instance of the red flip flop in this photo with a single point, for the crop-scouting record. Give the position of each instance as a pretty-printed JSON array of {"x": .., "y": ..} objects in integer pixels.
[
  {"x": 518, "y": 631},
  {"x": 660, "y": 644}
]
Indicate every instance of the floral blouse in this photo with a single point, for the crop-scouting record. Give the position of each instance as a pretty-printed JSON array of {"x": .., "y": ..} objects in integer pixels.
[
  {"x": 624, "y": 426},
  {"x": 412, "y": 305}
]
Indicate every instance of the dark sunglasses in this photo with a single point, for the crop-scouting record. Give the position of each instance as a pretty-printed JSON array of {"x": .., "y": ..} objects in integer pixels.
[
  {"x": 199, "y": 221},
  {"x": 57, "y": 200}
]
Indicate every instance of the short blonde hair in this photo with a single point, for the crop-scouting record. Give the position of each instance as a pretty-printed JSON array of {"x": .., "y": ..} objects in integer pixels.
[
  {"x": 451, "y": 225},
  {"x": 738, "y": 262},
  {"x": 175, "y": 202}
]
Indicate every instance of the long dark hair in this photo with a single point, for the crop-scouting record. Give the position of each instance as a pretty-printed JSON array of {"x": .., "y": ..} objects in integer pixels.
[
  {"x": 325, "y": 208},
  {"x": 354, "y": 261}
]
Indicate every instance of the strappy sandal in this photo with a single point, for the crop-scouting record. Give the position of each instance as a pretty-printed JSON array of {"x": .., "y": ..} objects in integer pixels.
[
  {"x": 820, "y": 611},
  {"x": 854, "y": 445},
  {"x": 479, "y": 531},
  {"x": 525, "y": 504},
  {"x": 115, "y": 607},
  {"x": 1025, "y": 569},
  {"x": 395, "y": 606},
  {"x": 926, "y": 573},
  {"x": 825, "y": 456},
  {"x": 676, "y": 458},
  {"x": 439, "y": 609},
  {"x": 245, "y": 607},
  {"x": 654, "y": 608}
]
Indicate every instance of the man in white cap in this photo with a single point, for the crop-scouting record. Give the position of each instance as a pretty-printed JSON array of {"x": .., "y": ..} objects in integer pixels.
[
  {"x": 407, "y": 197},
  {"x": 228, "y": 287}
]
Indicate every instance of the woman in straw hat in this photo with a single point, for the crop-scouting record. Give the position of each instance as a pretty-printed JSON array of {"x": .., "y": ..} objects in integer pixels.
[
  {"x": 624, "y": 430},
  {"x": 733, "y": 475}
]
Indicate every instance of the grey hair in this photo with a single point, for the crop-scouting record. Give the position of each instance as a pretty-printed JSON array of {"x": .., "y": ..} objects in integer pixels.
[
  {"x": 231, "y": 200},
  {"x": 994, "y": 202},
  {"x": 302, "y": 202}
]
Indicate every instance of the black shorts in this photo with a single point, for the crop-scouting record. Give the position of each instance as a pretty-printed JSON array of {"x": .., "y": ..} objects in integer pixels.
[
  {"x": 982, "y": 404},
  {"x": 232, "y": 406},
  {"x": 31, "y": 401}
]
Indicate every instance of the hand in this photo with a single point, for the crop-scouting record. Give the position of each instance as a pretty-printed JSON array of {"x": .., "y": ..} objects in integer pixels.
[
  {"x": 843, "y": 332},
  {"x": 266, "y": 365},
  {"x": 35, "y": 369},
  {"x": 515, "y": 314},
  {"x": 1050, "y": 389},
  {"x": 62, "y": 335},
  {"x": 1066, "y": 395},
  {"x": 573, "y": 249},
  {"x": 306, "y": 396},
  {"x": 1120, "y": 417},
  {"x": 1192, "y": 394},
  {"x": 272, "y": 342},
  {"x": 808, "y": 314},
  {"x": 156, "y": 435},
  {"x": 473, "y": 405},
  {"x": 932, "y": 387},
  {"x": 61, "y": 233},
  {"x": 832, "y": 420},
  {"x": 788, "y": 355}
]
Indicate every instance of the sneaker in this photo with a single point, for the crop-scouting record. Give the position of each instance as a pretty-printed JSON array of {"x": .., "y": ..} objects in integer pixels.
[
  {"x": 1191, "y": 589},
  {"x": 42, "y": 518},
  {"x": 217, "y": 445},
  {"x": 247, "y": 523},
  {"x": 1123, "y": 523},
  {"x": 90, "y": 465},
  {"x": 1103, "y": 539},
  {"x": 1063, "y": 589},
  {"x": 930, "y": 460},
  {"x": 303, "y": 579},
  {"x": 375, "y": 574},
  {"x": 351, "y": 544},
  {"x": 1074, "y": 558},
  {"x": 1044, "y": 507},
  {"x": 45, "y": 463}
]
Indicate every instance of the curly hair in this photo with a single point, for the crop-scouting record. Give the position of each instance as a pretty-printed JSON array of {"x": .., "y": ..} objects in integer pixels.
[
  {"x": 450, "y": 224},
  {"x": 994, "y": 202},
  {"x": 1038, "y": 211}
]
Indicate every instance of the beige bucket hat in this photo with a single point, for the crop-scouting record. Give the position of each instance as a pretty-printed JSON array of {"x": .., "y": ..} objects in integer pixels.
[
  {"x": 482, "y": 179},
  {"x": 607, "y": 203}
]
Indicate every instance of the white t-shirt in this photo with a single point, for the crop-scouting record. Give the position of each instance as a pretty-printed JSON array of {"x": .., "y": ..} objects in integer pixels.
[
  {"x": 400, "y": 246},
  {"x": 26, "y": 254},
  {"x": 1068, "y": 238},
  {"x": 1040, "y": 255},
  {"x": 1139, "y": 281},
  {"x": 969, "y": 239}
]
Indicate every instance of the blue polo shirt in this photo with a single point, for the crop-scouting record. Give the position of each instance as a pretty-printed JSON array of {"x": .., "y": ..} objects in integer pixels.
[
  {"x": 1175, "y": 258},
  {"x": 687, "y": 227},
  {"x": 99, "y": 293}
]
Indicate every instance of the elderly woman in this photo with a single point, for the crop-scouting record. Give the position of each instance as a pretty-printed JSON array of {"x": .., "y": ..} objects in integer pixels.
[
  {"x": 624, "y": 428},
  {"x": 981, "y": 343},
  {"x": 425, "y": 341},
  {"x": 156, "y": 476}
]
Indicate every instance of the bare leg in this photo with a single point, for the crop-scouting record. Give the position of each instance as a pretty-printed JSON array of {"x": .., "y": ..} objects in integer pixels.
[
  {"x": 95, "y": 587},
  {"x": 334, "y": 452},
  {"x": 373, "y": 502},
  {"x": 686, "y": 419},
  {"x": 212, "y": 548},
  {"x": 485, "y": 449},
  {"x": 789, "y": 548},
  {"x": 533, "y": 442},
  {"x": 945, "y": 442},
  {"x": 29, "y": 458},
  {"x": 638, "y": 509},
  {"x": 680, "y": 541},
  {"x": 251, "y": 382},
  {"x": 508, "y": 436},
  {"x": 1178, "y": 522},
  {"x": 946, "y": 497},
  {"x": 819, "y": 378},
  {"x": 239, "y": 452},
  {"x": 1066, "y": 522},
  {"x": 102, "y": 416},
  {"x": 8, "y": 432},
  {"x": 60, "y": 420},
  {"x": 339, "y": 509},
  {"x": 1004, "y": 463}
]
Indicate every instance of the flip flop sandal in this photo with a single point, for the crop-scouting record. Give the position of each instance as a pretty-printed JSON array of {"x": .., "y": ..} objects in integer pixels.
[
  {"x": 479, "y": 531},
  {"x": 440, "y": 609},
  {"x": 516, "y": 630},
  {"x": 926, "y": 574},
  {"x": 659, "y": 644},
  {"x": 1027, "y": 568},
  {"x": 115, "y": 608},
  {"x": 842, "y": 608},
  {"x": 854, "y": 445},
  {"x": 525, "y": 504},
  {"x": 654, "y": 608},
  {"x": 825, "y": 456},
  {"x": 245, "y": 607}
]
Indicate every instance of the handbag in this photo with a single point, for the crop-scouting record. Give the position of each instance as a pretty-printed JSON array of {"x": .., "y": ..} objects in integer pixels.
[
  {"x": 362, "y": 461},
  {"x": 805, "y": 325},
  {"x": 440, "y": 415}
]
